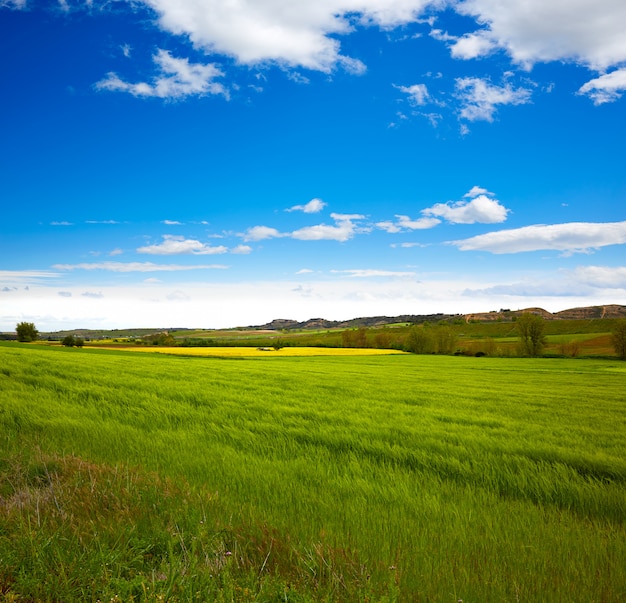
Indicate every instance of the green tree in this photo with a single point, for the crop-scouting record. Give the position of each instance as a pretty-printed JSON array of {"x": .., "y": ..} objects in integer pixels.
[
  {"x": 419, "y": 340},
  {"x": 618, "y": 337},
  {"x": 68, "y": 341},
  {"x": 26, "y": 331},
  {"x": 530, "y": 328},
  {"x": 445, "y": 339}
]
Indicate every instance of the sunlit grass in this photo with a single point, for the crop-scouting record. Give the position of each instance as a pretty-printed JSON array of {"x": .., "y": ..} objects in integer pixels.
[{"x": 381, "y": 478}]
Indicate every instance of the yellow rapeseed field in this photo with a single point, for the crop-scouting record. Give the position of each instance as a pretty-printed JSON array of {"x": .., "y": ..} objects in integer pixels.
[{"x": 238, "y": 352}]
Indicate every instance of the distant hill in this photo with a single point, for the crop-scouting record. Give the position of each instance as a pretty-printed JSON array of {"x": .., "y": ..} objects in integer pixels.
[
  {"x": 280, "y": 324},
  {"x": 587, "y": 313}
]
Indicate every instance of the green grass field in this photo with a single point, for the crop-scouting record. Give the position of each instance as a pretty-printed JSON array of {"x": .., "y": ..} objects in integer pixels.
[{"x": 149, "y": 477}]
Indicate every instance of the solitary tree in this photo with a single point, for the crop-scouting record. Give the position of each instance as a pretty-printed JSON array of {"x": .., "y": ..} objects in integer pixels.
[
  {"x": 69, "y": 341},
  {"x": 619, "y": 338},
  {"x": 530, "y": 328},
  {"x": 26, "y": 331}
]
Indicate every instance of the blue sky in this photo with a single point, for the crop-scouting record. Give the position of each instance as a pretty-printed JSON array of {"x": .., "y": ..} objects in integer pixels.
[{"x": 213, "y": 164}]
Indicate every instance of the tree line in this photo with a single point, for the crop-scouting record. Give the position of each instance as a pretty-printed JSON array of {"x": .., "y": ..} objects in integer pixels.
[{"x": 426, "y": 338}]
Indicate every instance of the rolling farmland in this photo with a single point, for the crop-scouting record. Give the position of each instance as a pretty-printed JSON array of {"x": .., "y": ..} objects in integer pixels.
[{"x": 152, "y": 477}]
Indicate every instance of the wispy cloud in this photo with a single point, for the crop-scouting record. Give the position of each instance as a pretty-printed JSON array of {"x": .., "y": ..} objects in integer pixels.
[
  {"x": 417, "y": 93},
  {"x": 573, "y": 237},
  {"x": 171, "y": 222},
  {"x": 343, "y": 230},
  {"x": 61, "y": 223},
  {"x": 178, "y": 245},
  {"x": 25, "y": 276},
  {"x": 373, "y": 273},
  {"x": 260, "y": 233},
  {"x": 610, "y": 277},
  {"x": 178, "y": 78},
  {"x": 606, "y": 88},
  {"x": 480, "y": 99},
  {"x": 136, "y": 267},
  {"x": 404, "y": 223}
]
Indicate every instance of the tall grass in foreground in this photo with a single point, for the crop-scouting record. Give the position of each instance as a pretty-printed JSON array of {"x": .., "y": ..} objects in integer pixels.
[{"x": 398, "y": 478}]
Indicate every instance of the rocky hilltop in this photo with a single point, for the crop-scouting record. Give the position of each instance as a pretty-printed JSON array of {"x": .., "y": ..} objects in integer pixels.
[{"x": 586, "y": 313}]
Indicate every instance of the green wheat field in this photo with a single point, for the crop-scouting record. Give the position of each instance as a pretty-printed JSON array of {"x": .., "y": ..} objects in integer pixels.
[{"x": 152, "y": 477}]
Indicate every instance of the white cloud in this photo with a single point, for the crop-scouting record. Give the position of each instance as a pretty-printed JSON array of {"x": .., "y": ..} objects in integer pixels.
[
  {"x": 480, "y": 209},
  {"x": 407, "y": 223},
  {"x": 241, "y": 250},
  {"x": 472, "y": 45},
  {"x": 62, "y": 223},
  {"x": 477, "y": 190},
  {"x": 480, "y": 99},
  {"x": 404, "y": 223},
  {"x": 314, "y": 206},
  {"x": 171, "y": 222},
  {"x": 24, "y": 276},
  {"x": 418, "y": 93},
  {"x": 259, "y": 233},
  {"x": 369, "y": 273},
  {"x": 570, "y": 237},
  {"x": 178, "y": 79},
  {"x": 389, "y": 226},
  {"x": 602, "y": 276},
  {"x": 589, "y": 32},
  {"x": 136, "y": 267},
  {"x": 296, "y": 34},
  {"x": 176, "y": 245},
  {"x": 606, "y": 88},
  {"x": 344, "y": 229}
]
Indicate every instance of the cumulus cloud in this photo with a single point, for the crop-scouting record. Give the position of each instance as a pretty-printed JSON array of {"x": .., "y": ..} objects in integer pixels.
[
  {"x": 178, "y": 79},
  {"x": 589, "y": 32},
  {"x": 481, "y": 209},
  {"x": 176, "y": 245},
  {"x": 259, "y": 233},
  {"x": 314, "y": 206},
  {"x": 570, "y": 237},
  {"x": 606, "y": 88},
  {"x": 136, "y": 267},
  {"x": 477, "y": 190},
  {"x": 480, "y": 99},
  {"x": 295, "y": 34}
]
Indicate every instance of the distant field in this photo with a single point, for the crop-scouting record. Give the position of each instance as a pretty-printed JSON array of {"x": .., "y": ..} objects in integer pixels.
[
  {"x": 251, "y": 352},
  {"x": 154, "y": 477}
]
